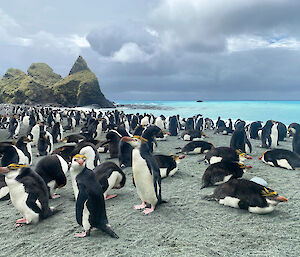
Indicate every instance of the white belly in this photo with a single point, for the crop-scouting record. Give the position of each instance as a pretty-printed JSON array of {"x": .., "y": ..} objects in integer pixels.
[
  {"x": 85, "y": 218},
  {"x": 225, "y": 179},
  {"x": 18, "y": 198},
  {"x": 284, "y": 164},
  {"x": 230, "y": 201},
  {"x": 4, "y": 191},
  {"x": 215, "y": 159},
  {"x": 143, "y": 179}
]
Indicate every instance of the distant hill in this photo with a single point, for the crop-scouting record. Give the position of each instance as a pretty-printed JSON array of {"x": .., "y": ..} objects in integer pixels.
[{"x": 41, "y": 85}]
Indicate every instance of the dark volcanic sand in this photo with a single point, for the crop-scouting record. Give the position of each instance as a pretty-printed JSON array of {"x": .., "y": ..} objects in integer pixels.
[{"x": 184, "y": 226}]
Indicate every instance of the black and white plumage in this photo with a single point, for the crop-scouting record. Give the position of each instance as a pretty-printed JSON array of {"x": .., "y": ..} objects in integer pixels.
[
  {"x": 28, "y": 193},
  {"x": 53, "y": 169},
  {"x": 146, "y": 174},
  {"x": 90, "y": 204},
  {"x": 197, "y": 147},
  {"x": 281, "y": 158},
  {"x": 224, "y": 153},
  {"x": 110, "y": 176},
  {"x": 247, "y": 195},
  {"x": 220, "y": 172}
]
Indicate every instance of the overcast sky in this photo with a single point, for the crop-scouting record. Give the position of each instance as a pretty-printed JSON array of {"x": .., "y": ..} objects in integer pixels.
[{"x": 162, "y": 49}]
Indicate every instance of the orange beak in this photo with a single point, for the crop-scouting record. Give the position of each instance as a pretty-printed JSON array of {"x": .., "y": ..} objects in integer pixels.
[
  {"x": 259, "y": 158},
  {"x": 3, "y": 170},
  {"x": 80, "y": 162},
  {"x": 281, "y": 198}
]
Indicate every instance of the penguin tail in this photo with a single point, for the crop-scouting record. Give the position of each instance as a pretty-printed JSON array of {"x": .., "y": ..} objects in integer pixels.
[
  {"x": 201, "y": 160},
  {"x": 210, "y": 197},
  {"x": 107, "y": 229}
]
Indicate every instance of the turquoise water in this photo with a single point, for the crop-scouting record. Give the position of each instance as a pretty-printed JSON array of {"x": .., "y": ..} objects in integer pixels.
[{"x": 284, "y": 111}]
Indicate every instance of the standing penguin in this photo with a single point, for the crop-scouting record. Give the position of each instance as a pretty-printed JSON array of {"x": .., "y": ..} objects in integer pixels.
[
  {"x": 296, "y": 139},
  {"x": 146, "y": 174},
  {"x": 274, "y": 135},
  {"x": 266, "y": 139},
  {"x": 28, "y": 193},
  {"x": 90, "y": 205},
  {"x": 239, "y": 139}
]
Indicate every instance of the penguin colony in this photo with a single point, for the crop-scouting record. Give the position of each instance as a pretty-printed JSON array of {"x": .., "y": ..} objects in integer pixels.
[{"x": 130, "y": 139}]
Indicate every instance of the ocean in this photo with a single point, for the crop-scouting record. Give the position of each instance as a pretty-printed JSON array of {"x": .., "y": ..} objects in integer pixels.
[{"x": 284, "y": 111}]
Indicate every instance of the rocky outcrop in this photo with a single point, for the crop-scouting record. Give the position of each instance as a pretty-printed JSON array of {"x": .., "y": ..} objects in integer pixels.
[{"x": 42, "y": 85}]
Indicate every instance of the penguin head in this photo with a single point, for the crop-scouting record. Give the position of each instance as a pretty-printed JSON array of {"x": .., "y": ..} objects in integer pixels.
[
  {"x": 272, "y": 197},
  {"x": 79, "y": 160},
  {"x": 135, "y": 141}
]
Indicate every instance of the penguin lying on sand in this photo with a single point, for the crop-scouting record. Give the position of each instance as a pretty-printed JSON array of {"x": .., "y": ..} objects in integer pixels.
[
  {"x": 281, "y": 158},
  {"x": 28, "y": 193},
  {"x": 90, "y": 205},
  {"x": 247, "y": 195},
  {"x": 110, "y": 176},
  {"x": 220, "y": 172},
  {"x": 168, "y": 164},
  {"x": 197, "y": 147},
  {"x": 224, "y": 153},
  {"x": 146, "y": 174}
]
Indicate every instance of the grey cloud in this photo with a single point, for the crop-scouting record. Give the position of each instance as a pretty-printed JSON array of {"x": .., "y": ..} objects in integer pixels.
[{"x": 108, "y": 39}]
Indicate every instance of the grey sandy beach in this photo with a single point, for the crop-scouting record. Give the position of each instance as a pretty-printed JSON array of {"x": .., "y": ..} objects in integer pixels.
[{"x": 186, "y": 225}]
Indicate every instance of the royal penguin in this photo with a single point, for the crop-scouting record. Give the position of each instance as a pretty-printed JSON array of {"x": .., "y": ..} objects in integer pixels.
[
  {"x": 296, "y": 139},
  {"x": 73, "y": 138},
  {"x": 247, "y": 195},
  {"x": 224, "y": 153},
  {"x": 282, "y": 131},
  {"x": 90, "y": 204},
  {"x": 28, "y": 193},
  {"x": 281, "y": 158},
  {"x": 24, "y": 144},
  {"x": 146, "y": 174},
  {"x": 197, "y": 147},
  {"x": 57, "y": 132},
  {"x": 208, "y": 124},
  {"x": 45, "y": 144},
  {"x": 14, "y": 127},
  {"x": 274, "y": 135},
  {"x": 34, "y": 134},
  {"x": 89, "y": 150},
  {"x": 192, "y": 135},
  {"x": 173, "y": 126},
  {"x": 110, "y": 176},
  {"x": 53, "y": 169},
  {"x": 168, "y": 164},
  {"x": 112, "y": 143},
  {"x": 125, "y": 154},
  {"x": 254, "y": 127},
  {"x": 12, "y": 154},
  {"x": 266, "y": 134},
  {"x": 220, "y": 172},
  {"x": 239, "y": 139}
]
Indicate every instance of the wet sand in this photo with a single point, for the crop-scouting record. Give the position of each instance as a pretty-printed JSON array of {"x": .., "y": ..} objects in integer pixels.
[{"x": 186, "y": 225}]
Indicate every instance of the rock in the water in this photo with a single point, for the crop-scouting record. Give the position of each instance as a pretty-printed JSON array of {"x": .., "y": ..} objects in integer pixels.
[{"x": 260, "y": 181}]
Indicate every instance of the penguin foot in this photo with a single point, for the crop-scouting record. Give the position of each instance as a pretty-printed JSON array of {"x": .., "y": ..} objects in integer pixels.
[
  {"x": 83, "y": 234},
  {"x": 55, "y": 196},
  {"x": 148, "y": 210},
  {"x": 109, "y": 197},
  {"x": 19, "y": 225},
  {"x": 142, "y": 206},
  {"x": 21, "y": 221}
]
